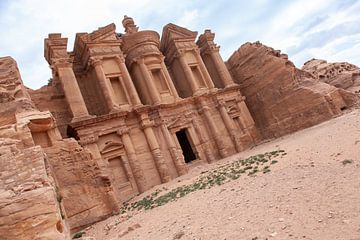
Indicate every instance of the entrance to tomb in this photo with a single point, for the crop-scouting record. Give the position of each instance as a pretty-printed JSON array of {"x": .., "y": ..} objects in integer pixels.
[{"x": 185, "y": 145}]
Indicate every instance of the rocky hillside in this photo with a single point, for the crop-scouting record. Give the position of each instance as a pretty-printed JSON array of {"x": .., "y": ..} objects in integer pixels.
[
  {"x": 282, "y": 98},
  {"x": 340, "y": 74}
]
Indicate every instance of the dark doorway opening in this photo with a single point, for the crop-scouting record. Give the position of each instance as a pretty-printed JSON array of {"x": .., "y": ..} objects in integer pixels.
[{"x": 186, "y": 148}]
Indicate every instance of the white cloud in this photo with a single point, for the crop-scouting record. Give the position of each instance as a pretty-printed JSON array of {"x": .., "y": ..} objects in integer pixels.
[{"x": 285, "y": 25}]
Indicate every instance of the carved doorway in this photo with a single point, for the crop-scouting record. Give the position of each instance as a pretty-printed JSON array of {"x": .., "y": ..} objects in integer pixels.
[
  {"x": 185, "y": 145},
  {"x": 119, "y": 169},
  {"x": 120, "y": 178}
]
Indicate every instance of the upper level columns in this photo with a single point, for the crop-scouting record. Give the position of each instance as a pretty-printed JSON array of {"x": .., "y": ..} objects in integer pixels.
[
  {"x": 188, "y": 73},
  {"x": 72, "y": 91},
  {"x": 103, "y": 84},
  {"x": 204, "y": 71},
  {"x": 130, "y": 88},
  {"x": 153, "y": 92},
  {"x": 210, "y": 51},
  {"x": 221, "y": 67}
]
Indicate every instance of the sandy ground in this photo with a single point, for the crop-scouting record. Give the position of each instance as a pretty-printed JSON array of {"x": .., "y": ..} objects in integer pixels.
[{"x": 309, "y": 194}]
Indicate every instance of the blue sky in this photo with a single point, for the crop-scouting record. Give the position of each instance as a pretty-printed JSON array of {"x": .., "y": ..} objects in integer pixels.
[{"x": 304, "y": 29}]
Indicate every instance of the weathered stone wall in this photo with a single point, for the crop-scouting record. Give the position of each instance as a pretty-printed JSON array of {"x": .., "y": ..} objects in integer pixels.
[
  {"x": 51, "y": 98},
  {"x": 28, "y": 203},
  {"x": 281, "y": 98},
  {"x": 86, "y": 195}
]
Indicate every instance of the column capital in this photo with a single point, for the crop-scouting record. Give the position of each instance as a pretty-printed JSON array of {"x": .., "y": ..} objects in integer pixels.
[
  {"x": 146, "y": 123},
  {"x": 139, "y": 60},
  {"x": 240, "y": 98},
  {"x": 62, "y": 63},
  {"x": 95, "y": 61},
  {"x": 120, "y": 58},
  {"x": 180, "y": 53},
  {"x": 122, "y": 131},
  {"x": 221, "y": 103}
]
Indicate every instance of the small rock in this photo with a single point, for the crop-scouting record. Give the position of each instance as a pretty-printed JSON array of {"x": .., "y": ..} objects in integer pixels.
[
  {"x": 346, "y": 221},
  {"x": 281, "y": 219},
  {"x": 273, "y": 234},
  {"x": 179, "y": 234}
]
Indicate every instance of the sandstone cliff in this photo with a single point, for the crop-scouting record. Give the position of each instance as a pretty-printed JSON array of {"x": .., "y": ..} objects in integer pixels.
[
  {"x": 342, "y": 75},
  {"x": 282, "y": 98},
  {"x": 27, "y": 191}
]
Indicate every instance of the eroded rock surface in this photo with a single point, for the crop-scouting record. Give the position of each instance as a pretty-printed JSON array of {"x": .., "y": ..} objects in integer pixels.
[
  {"x": 281, "y": 98},
  {"x": 29, "y": 207},
  {"x": 340, "y": 74}
]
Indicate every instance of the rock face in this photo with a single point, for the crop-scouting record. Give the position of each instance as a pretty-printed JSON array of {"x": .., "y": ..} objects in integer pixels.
[
  {"x": 341, "y": 75},
  {"x": 29, "y": 207},
  {"x": 281, "y": 98}
]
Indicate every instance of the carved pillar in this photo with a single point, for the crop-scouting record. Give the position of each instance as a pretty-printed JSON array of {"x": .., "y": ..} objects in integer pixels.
[
  {"x": 204, "y": 71},
  {"x": 155, "y": 150},
  {"x": 246, "y": 118},
  {"x": 129, "y": 174},
  {"x": 178, "y": 159},
  {"x": 153, "y": 92},
  {"x": 188, "y": 74},
  {"x": 204, "y": 140},
  {"x": 214, "y": 131},
  {"x": 103, "y": 83},
  {"x": 133, "y": 161},
  {"x": 72, "y": 91},
  {"x": 170, "y": 81},
  {"x": 230, "y": 127},
  {"x": 221, "y": 67},
  {"x": 134, "y": 97}
]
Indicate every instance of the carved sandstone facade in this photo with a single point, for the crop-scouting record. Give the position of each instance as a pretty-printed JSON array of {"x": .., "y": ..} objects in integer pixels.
[{"x": 146, "y": 109}]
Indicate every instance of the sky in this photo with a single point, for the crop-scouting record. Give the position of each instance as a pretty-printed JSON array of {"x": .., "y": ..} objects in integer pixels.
[{"x": 304, "y": 29}]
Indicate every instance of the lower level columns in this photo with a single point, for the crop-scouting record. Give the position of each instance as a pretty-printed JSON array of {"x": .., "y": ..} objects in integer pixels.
[
  {"x": 176, "y": 155},
  {"x": 215, "y": 132},
  {"x": 133, "y": 161},
  {"x": 230, "y": 127},
  {"x": 204, "y": 140},
  {"x": 155, "y": 151}
]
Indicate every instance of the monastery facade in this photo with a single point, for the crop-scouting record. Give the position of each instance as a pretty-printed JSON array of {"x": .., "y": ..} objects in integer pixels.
[{"x": 148, "y": 108}]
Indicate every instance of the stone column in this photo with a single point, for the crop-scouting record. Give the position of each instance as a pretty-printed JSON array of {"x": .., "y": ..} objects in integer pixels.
[
  {"x": 103, "y": 84},
  {"x": 204, "y": 140},
  {"x": 188, "y": 73},
  {"x": 214, "y": 131},
  {"x": 72, "y": 92},
  {"x": 204, "y": 71},
  {"x": 130, "y": 174},
  {"x": 178, "y": 159},
  {"x": 230, "y": 127},
  {"x": 133, "y": 161},
  {"x": 221, "y": 67},
  {"x": 134, "y": 97},
  {"x": 155, "y": 150},
  {"x": 170, "y": 81},
  {"x": 153, "y": 92},
  {"x": 246, "y": 118}
]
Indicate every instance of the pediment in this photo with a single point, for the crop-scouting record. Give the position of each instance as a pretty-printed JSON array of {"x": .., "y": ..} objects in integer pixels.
[
  {"x": 110, "y": 146},
  {"x": 172, "y": 32}
]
